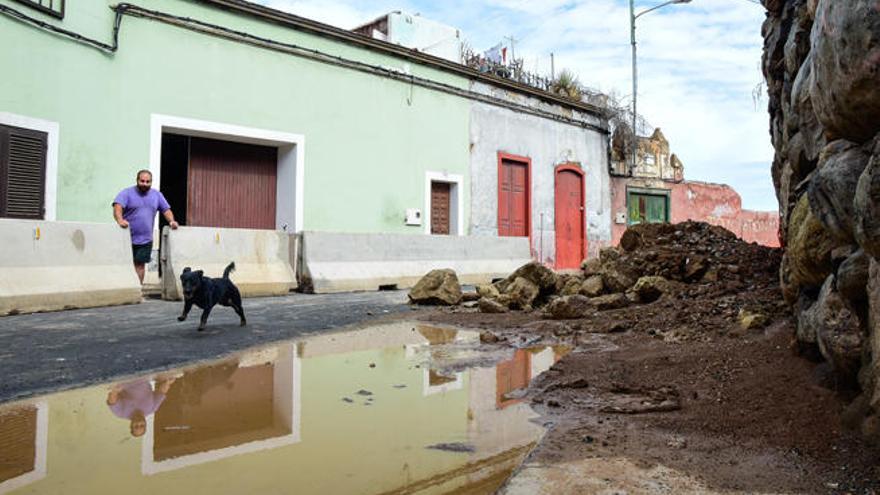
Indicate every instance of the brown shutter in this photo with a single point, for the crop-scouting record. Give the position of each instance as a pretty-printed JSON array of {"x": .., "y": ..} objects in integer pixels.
[{"x": 22, "y": 173}]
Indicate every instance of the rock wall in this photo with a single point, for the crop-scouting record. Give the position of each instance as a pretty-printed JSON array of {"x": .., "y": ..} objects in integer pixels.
[{"x": 822, "y": 66}]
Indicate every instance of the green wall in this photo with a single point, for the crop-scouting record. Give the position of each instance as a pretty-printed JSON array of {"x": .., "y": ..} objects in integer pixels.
[{"x": 368, "y": 140}]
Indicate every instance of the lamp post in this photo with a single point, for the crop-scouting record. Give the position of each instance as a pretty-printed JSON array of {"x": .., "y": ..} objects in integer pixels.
[{"x": 632, "y": 33}]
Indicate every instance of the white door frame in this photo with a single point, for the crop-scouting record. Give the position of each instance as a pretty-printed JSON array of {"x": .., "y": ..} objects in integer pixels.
[{"x": 291, "y": 159}]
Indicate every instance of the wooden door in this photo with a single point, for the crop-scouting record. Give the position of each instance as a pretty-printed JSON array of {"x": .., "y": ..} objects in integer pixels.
[
  {"x": 440, "y": 206},
  {"x": 570, "y": 238},
  {"x": 513, "y": 197},
  {"x": 231, "y": 185},
  {"x": 18, "y": 442}
]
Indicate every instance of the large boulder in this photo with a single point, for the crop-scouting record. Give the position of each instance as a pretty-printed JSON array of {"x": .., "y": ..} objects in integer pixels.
[
  {"x": 846, "y": 68},
  {"x": 837, "y": 331},
  {"x": 806, "y": 323},
  {"x": 592, "y": 286},
  {"x": 867, "y": 205},
  {"x": 797, "y": 45},
  {"x": 487, "y": 305},
  {"x": 569, "y": 307},
  {"x": 808, "y": 248},
  {"x": 870, "y": 380},
  {"x": 438, "y": 287},
  {"x": 617, "y": 276},
  {"x": 522, "y": 293},
  {"x": 630, "y": 240},
  {"x": 802, "y": 121},
  {"x": 488, "y": 291},
  {"x": 610, "y": 301},
  {"x": 591, "y": 266},
  {"x": 568, "y": 284},
  {"x": 852, "y": 282},
  {"x": 833, "y": 187},
  {"x": 649, "y": 289},
  {"x": 536, "y": 273}
]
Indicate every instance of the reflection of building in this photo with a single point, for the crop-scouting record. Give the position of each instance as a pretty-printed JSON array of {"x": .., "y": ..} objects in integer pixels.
[
  {"x": 499, "y": 425},
  {"x": 335, "y": 413},
  {"x": 655, "y": 191},
  {"x": 226, "y": 409},
  {"x": 23, "y": 439}
]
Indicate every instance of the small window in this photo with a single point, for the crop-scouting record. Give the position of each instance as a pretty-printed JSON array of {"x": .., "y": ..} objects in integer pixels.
[
  {"x": 54, "y": 8},
  {"x": 22, "y": 173}
]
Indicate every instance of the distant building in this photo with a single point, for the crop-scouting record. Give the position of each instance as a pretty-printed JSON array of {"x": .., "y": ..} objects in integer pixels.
[
  {"x": 416, "y": 32},
  {"x": 654, "y": 190}
]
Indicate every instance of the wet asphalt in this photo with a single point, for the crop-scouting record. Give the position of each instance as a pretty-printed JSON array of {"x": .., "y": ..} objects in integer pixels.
[{"x": 47, "y": 352}]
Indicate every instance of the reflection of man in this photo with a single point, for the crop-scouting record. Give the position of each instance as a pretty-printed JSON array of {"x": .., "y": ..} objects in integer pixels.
[
  {"x": 136, "y": 400},
  {"x": 135, "y": 209}
]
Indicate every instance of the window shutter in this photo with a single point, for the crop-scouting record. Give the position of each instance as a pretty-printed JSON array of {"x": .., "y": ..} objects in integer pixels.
[{"x": 22, "y": 173}]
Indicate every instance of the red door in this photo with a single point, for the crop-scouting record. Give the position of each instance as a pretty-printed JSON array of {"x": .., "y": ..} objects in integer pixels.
[
  {"x": 513, "y": 196},
  {"x": 512, "y": 375},
  {"x": 570, "y": 238},
  {"x": 231, "y": 185}
]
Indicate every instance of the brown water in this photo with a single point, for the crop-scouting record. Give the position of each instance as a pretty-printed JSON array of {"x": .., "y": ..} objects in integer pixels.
[{"x": 400, "y": 408}]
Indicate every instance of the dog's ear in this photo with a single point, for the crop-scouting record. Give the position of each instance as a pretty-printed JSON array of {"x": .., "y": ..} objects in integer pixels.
[
  {"x": 187, "y": 270},
  {"x": 199, "y": 273}
]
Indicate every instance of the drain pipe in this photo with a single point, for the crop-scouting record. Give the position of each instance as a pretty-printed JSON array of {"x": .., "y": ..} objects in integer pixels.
[{"x": 541, "y": 240}]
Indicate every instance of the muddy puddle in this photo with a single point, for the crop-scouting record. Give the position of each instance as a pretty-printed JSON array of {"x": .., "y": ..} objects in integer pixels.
[{"x": 399, "y": 408}]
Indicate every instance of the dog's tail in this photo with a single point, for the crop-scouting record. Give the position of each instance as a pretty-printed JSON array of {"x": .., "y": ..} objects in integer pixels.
[{"x": 229, "y": 269}]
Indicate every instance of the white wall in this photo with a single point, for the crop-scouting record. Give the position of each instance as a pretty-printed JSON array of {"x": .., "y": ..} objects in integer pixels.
[{"x": 547, "y": 143}]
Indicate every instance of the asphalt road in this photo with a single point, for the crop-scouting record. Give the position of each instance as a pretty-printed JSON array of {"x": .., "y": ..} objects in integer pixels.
[{"x": 46, "y": 352}]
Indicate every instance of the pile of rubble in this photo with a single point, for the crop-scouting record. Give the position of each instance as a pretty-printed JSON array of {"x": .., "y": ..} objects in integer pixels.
[{"x": 689, "y": 273}]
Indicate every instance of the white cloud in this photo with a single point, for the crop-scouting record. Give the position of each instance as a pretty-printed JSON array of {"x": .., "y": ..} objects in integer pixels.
[{"x": 698, "y": 66}]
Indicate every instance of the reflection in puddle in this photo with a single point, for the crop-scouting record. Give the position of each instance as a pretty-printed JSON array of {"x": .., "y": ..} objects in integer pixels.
[{"x": 399, "y": 408}]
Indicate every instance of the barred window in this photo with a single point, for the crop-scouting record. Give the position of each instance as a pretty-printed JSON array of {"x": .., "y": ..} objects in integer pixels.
[{"x": 54, "y": 8}]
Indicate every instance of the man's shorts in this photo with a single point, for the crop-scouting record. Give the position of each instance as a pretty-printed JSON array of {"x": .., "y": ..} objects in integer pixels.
[{"x": 142, "y": 252}]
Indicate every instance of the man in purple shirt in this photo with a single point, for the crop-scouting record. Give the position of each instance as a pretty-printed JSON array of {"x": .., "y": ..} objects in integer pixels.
[{"x": 135, "y": 209}]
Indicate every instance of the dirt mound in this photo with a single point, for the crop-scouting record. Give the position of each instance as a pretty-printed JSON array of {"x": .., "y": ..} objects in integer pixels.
[
  {"x": 719, "y": 277},
  {"x": 678, "y": 281}
]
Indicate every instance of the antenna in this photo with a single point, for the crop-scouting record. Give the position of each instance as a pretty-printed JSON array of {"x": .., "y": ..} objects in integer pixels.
[{"x": 512, "y": 44}]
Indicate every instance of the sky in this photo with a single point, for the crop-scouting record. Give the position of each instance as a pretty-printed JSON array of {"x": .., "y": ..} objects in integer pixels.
[{"x": 699, "y": 66}]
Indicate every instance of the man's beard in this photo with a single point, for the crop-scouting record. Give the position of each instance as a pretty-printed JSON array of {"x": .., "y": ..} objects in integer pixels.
[{"x": 143, "y": 189}]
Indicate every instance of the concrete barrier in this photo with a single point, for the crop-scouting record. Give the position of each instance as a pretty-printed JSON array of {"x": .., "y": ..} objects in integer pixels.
[
  {"x": 333, "y": 262},
  {"x": 49, "y": 266},
  {"x": 262, "y": 259}
]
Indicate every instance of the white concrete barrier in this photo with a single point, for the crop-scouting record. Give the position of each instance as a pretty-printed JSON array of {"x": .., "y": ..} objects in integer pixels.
[
  {"x": 49, "y": 266},
  {"x": 262, "y": 259},
  {"x": 333, "y": 262}
]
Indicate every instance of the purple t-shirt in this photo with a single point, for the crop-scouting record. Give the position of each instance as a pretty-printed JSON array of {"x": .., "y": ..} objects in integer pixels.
[
  {"x": 137, "y": 396},
  {"x": 140, "y": 211}
]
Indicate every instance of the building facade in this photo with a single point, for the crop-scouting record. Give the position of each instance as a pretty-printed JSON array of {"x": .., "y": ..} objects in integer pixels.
[
  {"x": 655, "y": 191},
  {"x": 249, "y": 117}
]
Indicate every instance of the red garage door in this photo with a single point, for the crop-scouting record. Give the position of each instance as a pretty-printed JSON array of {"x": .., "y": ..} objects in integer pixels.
[{"x": 231, "y": 184}]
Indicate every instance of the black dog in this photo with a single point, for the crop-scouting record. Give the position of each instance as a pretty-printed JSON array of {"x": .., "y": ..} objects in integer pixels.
[{"x": 205, "y": 292}]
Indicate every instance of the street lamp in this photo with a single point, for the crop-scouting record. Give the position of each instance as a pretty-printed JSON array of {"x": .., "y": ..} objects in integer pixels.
[{"x": 632, "y": 32}]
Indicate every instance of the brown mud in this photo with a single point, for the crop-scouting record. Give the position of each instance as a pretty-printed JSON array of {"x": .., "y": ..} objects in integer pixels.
[{"x": 680, "y": 383}]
